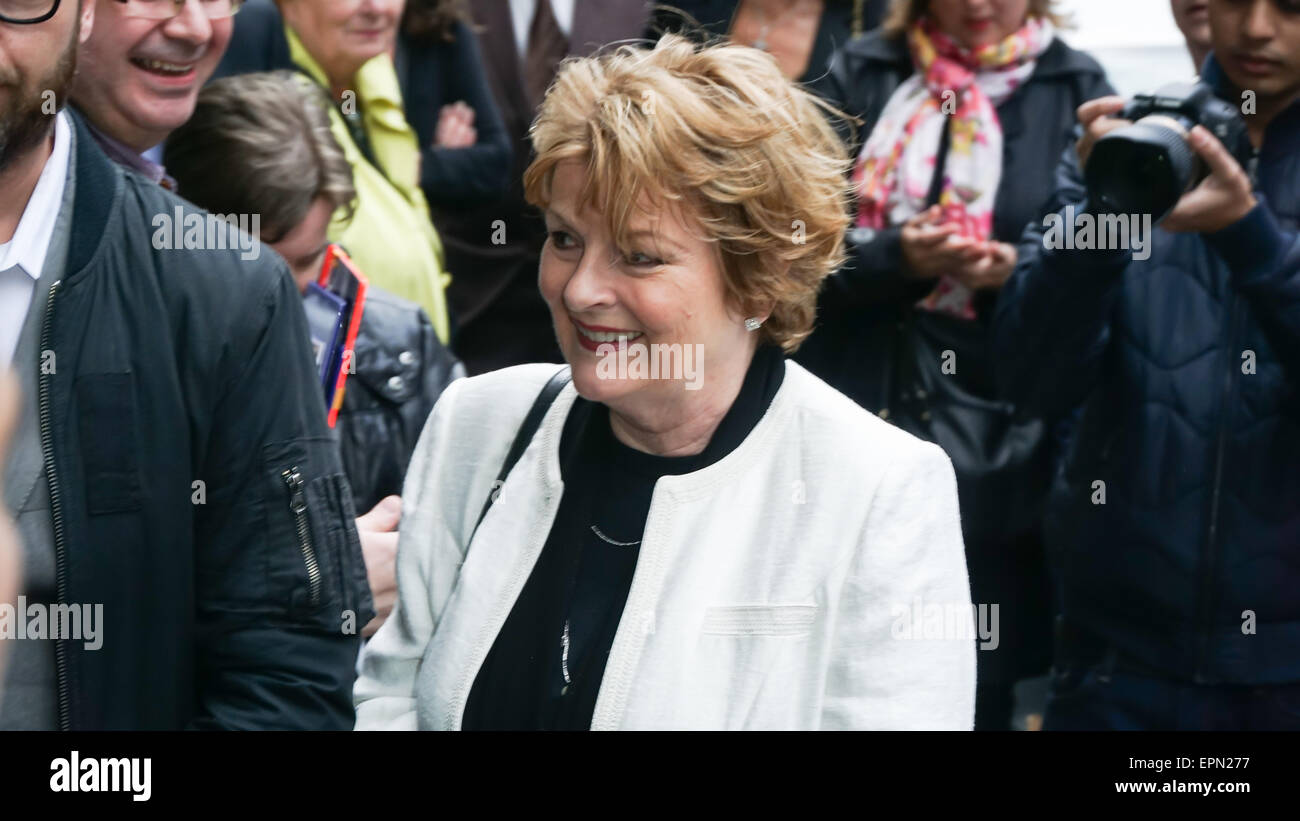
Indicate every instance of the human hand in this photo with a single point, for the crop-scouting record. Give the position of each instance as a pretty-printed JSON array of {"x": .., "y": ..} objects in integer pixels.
[
  {"x": 931, "y": 250},
  {"x": 1219, "y": 200},
  {"x": 1095, "y": 117},
  {"x": 990, "y": 271},
  {"x": 455, "y": 127},
  {"x": 378, "y": 532}
]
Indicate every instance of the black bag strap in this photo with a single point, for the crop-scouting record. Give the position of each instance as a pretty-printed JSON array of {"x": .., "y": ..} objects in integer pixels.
[
  {"x": 940, "y": 164},
  {"x": 525, "y": 435}
]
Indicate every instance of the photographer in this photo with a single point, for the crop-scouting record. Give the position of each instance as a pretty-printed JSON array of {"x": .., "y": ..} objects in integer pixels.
[{"x": 1175, "y": 521}]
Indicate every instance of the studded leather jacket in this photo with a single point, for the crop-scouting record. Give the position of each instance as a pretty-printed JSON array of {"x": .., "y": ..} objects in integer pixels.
[{"x": 402, "y": 369}]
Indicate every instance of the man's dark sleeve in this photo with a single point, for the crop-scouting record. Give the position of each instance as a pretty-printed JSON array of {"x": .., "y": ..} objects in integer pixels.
[
  {"x": 280, "y": 582},
  {"x": 1052, "y": 323},
  {"x": 1265, "y": 264}
]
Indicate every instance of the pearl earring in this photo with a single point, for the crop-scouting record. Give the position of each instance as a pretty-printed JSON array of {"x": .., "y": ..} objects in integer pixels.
[{"x": 753, "y": 323}]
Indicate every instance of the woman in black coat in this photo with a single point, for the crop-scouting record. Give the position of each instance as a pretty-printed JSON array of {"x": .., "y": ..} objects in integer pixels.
[
  {"x": 463, "y": 139},
  {"x": 903, "y": 327}
]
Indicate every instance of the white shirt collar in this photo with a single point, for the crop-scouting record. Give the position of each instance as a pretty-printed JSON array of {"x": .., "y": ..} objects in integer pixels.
[{"x": 31, "y": 240}]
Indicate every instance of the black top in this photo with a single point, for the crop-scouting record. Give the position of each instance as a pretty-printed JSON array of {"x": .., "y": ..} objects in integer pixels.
[{"x": 545, "y": 667}]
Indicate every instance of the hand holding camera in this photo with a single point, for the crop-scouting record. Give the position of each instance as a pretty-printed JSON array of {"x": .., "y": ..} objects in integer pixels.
[
  {"x": 1223, "y": 197},
  {"x": 1179, "y": 155}
]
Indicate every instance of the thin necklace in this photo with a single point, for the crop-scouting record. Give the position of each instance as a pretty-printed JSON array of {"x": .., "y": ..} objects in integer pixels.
[
  {"x": 608, "y": 540},
  {"x": 564, "y": 658}
]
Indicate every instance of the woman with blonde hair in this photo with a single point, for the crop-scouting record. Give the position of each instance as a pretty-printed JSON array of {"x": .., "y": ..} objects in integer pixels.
[
  {"x": 681, "y": 529},
  {"x": 968, "y": 106}
]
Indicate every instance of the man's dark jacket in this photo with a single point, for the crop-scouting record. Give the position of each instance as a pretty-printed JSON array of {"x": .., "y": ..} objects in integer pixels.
[
  {"x": 1186, "y": 365},
  {"x": 180, "y": 390}
]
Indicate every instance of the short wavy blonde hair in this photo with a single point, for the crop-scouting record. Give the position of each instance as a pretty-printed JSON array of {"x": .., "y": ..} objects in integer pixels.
[{"x": 751, "y": 156}]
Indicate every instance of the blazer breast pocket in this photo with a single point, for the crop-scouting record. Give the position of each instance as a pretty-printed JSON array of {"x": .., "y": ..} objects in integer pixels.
[{"x": 760, "y": 620}]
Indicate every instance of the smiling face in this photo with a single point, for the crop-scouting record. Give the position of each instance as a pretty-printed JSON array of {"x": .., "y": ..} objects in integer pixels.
[
  {"x": 341, "y": 35},
  {"x": 139, "y": 78},
  {"x": 1258, "y": 44},
  {"x": 976, "y": 23},
  {"x": 666, "y": 288}
]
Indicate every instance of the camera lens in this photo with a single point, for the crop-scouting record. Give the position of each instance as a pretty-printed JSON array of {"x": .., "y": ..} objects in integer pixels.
[{"x": 1142, "y": 168}]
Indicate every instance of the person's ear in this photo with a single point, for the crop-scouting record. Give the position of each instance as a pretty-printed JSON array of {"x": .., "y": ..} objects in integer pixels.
[{"x": 87, "y": 20}]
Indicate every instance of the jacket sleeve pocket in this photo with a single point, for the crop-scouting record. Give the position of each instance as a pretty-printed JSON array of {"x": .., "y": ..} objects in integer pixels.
[
  {"x": 314, "y": 564},
  {"x": 111, "y": 464}
]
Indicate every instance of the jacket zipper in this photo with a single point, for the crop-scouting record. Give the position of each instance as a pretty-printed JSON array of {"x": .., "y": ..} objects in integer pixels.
[
  {"x": 298, "y": 507},
  {"x": 56, "y": 511},
  {"x": 1212, "y": 534}
]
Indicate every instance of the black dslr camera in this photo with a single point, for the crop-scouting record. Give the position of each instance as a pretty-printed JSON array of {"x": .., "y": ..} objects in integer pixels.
[{"x": 1144, "y": 168}]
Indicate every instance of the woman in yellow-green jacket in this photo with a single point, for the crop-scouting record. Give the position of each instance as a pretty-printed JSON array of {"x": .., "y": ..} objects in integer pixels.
[{"x": 344, "y": 46}]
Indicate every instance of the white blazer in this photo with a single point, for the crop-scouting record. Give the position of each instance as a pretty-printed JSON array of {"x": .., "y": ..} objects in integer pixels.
[{"x": 775, "y": 588}]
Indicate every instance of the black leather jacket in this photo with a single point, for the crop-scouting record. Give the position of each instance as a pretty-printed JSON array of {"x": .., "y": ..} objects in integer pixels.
[{"x": 402, "y": 369}]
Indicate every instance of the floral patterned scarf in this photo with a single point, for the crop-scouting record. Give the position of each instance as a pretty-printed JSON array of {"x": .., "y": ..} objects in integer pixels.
[{"x": 896, "y": 166}]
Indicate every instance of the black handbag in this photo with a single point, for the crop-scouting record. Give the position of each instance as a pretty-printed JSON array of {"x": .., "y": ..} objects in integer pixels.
[{"x": 1001, "y": 461}]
